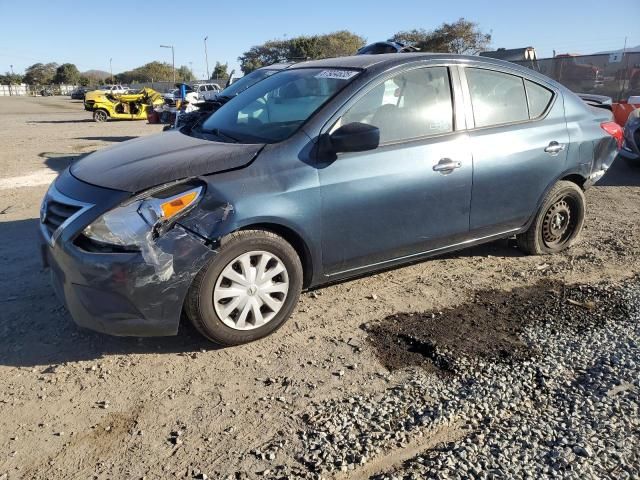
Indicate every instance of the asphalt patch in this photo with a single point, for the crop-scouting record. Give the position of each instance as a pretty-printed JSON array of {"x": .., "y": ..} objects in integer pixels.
[{"x": 489, "y": 326}]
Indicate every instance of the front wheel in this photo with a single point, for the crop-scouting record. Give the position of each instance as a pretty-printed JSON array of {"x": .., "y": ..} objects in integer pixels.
[
  {"x": 558, "y": 223},
  {"x": 248, "y": 290},
  {"x": 100, "y": 116}
]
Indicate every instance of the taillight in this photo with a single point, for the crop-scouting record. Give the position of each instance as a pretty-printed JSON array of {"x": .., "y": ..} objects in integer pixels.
[{"x": 615, "y": 130}]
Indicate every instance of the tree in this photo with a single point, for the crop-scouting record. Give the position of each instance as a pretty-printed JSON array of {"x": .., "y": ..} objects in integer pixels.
[
  {"x": 220, "y": 71},
  {"x": 155, "y": 72},
  {"x": 10, "y": 79},
  {"x": 67, "y": 74},
  {"x": 184, "y": 74},
  {"x": 462, "y": 36},
  {"x": 300, "y": 48},
  {"x": 150, "y": 72},
  {"x": 84, "y": 81},
  {"x": 40, "y": 73}
]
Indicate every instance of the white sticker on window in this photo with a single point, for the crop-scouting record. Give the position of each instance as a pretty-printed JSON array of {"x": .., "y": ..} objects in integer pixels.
[{"x": 337, "y": 74}]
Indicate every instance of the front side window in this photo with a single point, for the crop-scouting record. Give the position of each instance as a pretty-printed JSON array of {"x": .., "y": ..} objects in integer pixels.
[
  {"x": 496, "y": 97},
  {"x": 271, "y": 110},
  {"x": 409, "y": 105}
]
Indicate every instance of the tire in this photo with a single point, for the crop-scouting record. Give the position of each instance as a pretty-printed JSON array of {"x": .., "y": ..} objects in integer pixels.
[
  {"x": 558, "y": 223},
  {"x": 100, "y": 115},
  {"x": 206, "y": 309}
]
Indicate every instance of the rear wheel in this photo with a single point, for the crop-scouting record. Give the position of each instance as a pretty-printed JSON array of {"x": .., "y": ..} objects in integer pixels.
[
  {"x": 558, "y": 223},
  {"x": 248, "y": 290},
  {"x": 100, "y": 116}
]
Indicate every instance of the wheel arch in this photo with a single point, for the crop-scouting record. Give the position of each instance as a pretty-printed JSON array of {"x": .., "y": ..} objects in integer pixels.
[
  {"x": 295, "y": 240},
  {"x": 572, "y": 176},
  {"x": 576, "y": 178}
]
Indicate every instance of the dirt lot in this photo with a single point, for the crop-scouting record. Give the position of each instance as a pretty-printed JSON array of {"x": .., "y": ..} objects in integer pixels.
[{"x": 74, "y": 404}]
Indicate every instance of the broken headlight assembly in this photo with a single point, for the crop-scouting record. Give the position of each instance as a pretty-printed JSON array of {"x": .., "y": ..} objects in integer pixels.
[{"x": 143, "y": 218}]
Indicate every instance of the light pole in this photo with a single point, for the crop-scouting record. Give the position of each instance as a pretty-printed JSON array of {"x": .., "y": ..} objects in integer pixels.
[
  {"x": 206, "y": 57},
  {"x": 111, "y": 69},
  {"x": 190, "y": 71},
  {"x": 173, "y": 60},
  {"x": 11, "y": 69}
]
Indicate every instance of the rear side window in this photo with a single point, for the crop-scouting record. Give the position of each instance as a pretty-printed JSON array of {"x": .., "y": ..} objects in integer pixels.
[
  {"x": 496, "y": 97},
  {"x": 412, "y": 104},
  {"x": 538, "y": 98}
]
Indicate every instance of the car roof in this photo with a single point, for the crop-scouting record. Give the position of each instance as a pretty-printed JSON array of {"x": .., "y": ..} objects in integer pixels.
[
  {"x": 368, "y": 61},
  {"x": 388, "y": 60},
  {"x": 277, "y": 66}
]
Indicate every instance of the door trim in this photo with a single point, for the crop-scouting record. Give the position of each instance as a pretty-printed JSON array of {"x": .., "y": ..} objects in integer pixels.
[{"x": 426, "y": 252}]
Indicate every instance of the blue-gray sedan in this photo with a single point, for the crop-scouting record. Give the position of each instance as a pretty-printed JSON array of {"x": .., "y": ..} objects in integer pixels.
[{"x": 327, "y": 170}]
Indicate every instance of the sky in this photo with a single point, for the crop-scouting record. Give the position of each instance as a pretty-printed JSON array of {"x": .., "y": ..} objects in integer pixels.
[{"x": 130, "y": 32}]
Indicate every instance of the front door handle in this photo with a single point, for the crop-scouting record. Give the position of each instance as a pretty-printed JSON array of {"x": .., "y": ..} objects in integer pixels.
[
  {"x": 554, "y": 148},
  {"x": 446, "y": 166}
]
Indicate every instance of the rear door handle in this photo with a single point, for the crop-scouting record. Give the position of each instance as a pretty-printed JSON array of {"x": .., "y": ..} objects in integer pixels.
[
  {"x": 554, "y": 148},
  {"x": 446, "y": 165}
]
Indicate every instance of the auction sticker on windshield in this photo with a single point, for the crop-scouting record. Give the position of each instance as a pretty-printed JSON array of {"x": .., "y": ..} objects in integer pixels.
[{"x": 338, "y": 74}]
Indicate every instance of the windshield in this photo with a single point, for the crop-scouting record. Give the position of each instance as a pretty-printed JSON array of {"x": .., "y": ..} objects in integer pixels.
[
  {"x": 273, "y": 109},
  {"x": 245, "y": 82}
]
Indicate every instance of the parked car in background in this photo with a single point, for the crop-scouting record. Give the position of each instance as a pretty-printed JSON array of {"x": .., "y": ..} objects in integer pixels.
[
  {"x": 112, "y": 89},
  {"x": 79, "y": 93},
  {"x": 631, "y": 146},
  {"x": 171, "y": 96},
  {"x": 327, "y": 170},
  {"x": 126, "y": 106},
  {"x": 104, "y": 90},
  {"x": 206, "y": 91},
  {"x": 389, "y": 46}
]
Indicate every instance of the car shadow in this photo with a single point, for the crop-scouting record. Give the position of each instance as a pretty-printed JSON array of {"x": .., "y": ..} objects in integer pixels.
[
  {"x": 623, "y": 173},
  {"x": 83, "y": 120},
  {"x": 59, "y": 161},
  {"x": 123, "y": 138},
  {"x": 36, "y": 329}
]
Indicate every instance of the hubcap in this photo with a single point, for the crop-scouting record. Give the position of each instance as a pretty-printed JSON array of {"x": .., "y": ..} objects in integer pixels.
[{"x": 251, "y": 290}]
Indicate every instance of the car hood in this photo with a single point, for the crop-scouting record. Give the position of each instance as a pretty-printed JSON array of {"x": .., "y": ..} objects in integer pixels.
[{"x": 145, "y": 162}]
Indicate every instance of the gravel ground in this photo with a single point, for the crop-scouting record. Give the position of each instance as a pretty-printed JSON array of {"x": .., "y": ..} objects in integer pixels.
[
  {"x": 483, "y": 359},
  {"x": 566, "y": 404}
]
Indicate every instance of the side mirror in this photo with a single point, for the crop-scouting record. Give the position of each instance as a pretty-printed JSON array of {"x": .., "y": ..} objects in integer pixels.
[{"x": 355, "y": 137}]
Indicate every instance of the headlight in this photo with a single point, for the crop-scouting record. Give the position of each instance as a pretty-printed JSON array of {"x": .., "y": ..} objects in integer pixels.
[{"x": 135, "y": 221}]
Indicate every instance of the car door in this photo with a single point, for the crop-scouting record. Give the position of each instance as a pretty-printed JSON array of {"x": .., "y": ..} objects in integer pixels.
[
  {"x": 412, "y": 193},
  {"x": 519, "y": 141}
]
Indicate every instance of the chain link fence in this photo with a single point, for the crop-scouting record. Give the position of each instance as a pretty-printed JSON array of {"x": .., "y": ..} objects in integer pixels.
[
  {"x": 615, "y": 75},
  {"x": 24, "y": 89},
  {"x": 162, "y": 87}
]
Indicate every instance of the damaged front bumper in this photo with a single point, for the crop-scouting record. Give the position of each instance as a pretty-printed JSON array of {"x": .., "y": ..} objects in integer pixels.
[{"x": 128, "y": 293}]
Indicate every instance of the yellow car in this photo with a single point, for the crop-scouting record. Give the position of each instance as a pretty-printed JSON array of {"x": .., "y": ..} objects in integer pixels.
[{"x": 128, "y": 106}]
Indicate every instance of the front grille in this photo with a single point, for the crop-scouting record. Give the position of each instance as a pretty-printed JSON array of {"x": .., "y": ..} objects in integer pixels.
[{"x": 57, "y": 211}]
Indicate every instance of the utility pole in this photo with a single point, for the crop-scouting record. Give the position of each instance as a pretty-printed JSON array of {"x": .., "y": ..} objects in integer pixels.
[
  {"x": 173, "y": 60},
  {"x": 206, "y": 56},
  {"x": 626, "y": 70},
  {"x": 111, "y": 69}
]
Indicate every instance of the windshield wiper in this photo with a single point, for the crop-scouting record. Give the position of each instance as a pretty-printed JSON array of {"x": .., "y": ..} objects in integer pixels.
[{"x": 219, "y": 133}]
